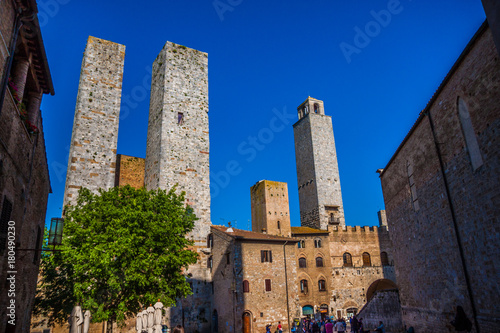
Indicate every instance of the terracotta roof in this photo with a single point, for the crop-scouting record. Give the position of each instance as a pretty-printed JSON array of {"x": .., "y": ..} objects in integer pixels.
[
  {"x": 307, "y": 230},
  {"x": 251, "y": 235}
]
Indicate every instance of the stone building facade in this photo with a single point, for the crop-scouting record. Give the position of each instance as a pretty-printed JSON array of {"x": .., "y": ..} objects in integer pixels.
[
  {"x": 318, "y": 176},
  {"x": 92, "y": 155},
  {"x": 254, "y": 280},
  {"x": 441, "y": 190},
  {"x": 314, "y": 273},
  {"x": 24, "y": 176}
]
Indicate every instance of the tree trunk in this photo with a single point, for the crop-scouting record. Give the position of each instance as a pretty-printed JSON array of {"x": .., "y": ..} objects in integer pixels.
[{"x": 109, "y": 328}]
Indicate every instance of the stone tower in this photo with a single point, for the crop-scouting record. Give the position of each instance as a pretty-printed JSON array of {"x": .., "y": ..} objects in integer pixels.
[
  {"x": 92, "y": 155},
  {"x": 318, "y": 178},
  {"x": 178, "y": 153},
  {"x": 270, "y": 208}
]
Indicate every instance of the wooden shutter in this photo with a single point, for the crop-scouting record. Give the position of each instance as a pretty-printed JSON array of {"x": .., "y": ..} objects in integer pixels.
[{"x": 268, "y": 285}]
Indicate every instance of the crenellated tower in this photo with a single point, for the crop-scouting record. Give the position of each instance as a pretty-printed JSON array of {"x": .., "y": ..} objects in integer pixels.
[{"x": 318, "y": 177}]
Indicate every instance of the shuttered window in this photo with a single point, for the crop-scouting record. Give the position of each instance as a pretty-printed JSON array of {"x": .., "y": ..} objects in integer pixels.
[
  {"x": 268, "y": 285},
  {"x": 266, "y": 256}
]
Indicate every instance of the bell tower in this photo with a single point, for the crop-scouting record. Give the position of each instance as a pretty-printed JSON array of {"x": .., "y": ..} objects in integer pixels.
[{"x": 318, "y": 177}]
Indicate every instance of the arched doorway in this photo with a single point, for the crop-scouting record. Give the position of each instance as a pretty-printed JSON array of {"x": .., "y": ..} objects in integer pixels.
[
  {"x": 382, "y": 284},
  {"x": 247, "y": 322},
  {"x": 323, "y": 309},
  {"x": 308, "y": 311}
]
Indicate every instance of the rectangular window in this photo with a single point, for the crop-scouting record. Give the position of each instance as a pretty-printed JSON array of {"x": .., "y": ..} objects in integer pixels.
[
  {"x": 228, "y": 257},
  {"x": 266, "y": 256},
  {"x": 268, "y": 284},
  {"x": 37, "y": 245},
  {"x": 180, "y": 118},
  {"x": 4, "y": 221}
]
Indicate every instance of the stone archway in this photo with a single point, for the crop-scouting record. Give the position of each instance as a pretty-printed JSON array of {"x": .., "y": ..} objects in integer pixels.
[
  {"x": 381, "y": 284},
  {"x": 247, "y": 322}
]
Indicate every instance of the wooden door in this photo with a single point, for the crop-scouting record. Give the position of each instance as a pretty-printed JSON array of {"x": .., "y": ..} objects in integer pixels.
[{"x": 246, "y": 323}]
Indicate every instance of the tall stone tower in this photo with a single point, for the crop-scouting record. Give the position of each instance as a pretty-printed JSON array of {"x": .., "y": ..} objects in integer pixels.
[
  {"x": 318, "y": 178},
  {"x": 270, "y": 208},
  {"x": 178, "y": 153},
  {"x": 92, "y": 155}
]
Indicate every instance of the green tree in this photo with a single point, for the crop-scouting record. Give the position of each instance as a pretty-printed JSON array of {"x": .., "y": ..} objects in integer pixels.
[{"x": 122, "y": 249}]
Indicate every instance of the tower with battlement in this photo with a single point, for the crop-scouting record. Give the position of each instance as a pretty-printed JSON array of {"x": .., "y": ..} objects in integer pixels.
[
  {"x": 318, "y": 177},
  {"x": 177, "y": 153},
  {"x": 270, "y": 208},
  {"x": 92, "y": 155}
]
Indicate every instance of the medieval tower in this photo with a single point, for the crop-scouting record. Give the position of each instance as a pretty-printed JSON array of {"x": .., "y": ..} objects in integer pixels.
[
  {"x": 178, "y": 153},
  {"x": 92, "y": 154},
  {"x": 318, "y": 178},
  {"x": 270, "y": 208}
]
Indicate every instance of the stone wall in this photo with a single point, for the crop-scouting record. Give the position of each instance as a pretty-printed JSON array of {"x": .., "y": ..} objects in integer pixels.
[
  {"x": 263, "y": 307},
  {"x": 129, "y": 171},
  {"x": 350, "y": 284},
  {"x": 24, "y": 175},
  {"x": 318, "y": 177},
  {"x": 92, "y": 156},
  {"x": 178, "y": 153},
  {"x": 310, "y": 249},
  {"x": 270, "y": 208},
  {"x": 424, "y": 235},
  {"x": 178, "y": 142},
  {"x": 384, "y": 307}
]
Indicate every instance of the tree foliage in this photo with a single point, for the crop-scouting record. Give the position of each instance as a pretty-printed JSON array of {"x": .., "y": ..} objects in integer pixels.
[{"x": 122, "y": 249}]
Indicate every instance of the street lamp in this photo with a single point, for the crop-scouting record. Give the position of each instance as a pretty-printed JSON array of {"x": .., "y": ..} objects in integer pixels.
[{"x": 56, "y": 231}]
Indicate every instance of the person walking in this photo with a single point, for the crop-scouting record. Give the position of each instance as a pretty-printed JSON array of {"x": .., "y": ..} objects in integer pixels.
[
  {"x": 339, "y": 326},
  {"x": 461, "y": 323},
  {"x": 280, "y": 328},
  {"x": 329, "y": 327}
]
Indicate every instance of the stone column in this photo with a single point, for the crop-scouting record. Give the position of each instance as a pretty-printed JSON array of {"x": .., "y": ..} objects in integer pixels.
[
  {"x": 19, "y": 75},
  {"x": 33, "y": 107}
]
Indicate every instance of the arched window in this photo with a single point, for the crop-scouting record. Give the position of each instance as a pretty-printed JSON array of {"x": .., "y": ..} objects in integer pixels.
[
  {"x": 316, "y": 107},
  {"x": 210, "y": 241},
  {"x": 246, "y": 286},
  {"x": 384, "y": 259},
  {"x": 303, "y": 286},
  {"x": 279, "y": 226},
  {"x": 469, "y": 134},
  {"x": 366, "y": 259},
  {"x": 321, "y": 285},
  {"x": 302, "y": 263},
  {"x": 347, "y": 259},
  {"x": 319, "y": 262},
  {"x": 317, "y": 243},
  {"x": 302, "y": 244}
]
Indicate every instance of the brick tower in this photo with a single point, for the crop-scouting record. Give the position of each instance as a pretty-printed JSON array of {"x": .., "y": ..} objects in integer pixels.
[
  {"x": 270, "y": 208},
  {"x": 178, "y": 153},
  {"x": 92, "y": 154},
  {"x": 318, "y": 178}
]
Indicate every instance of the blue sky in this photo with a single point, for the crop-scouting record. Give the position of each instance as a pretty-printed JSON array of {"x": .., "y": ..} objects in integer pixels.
[{"x": 375, "y": 64}]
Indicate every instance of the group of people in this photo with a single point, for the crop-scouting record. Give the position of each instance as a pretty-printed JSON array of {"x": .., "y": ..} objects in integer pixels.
[{"x": 307, "y": 325}]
